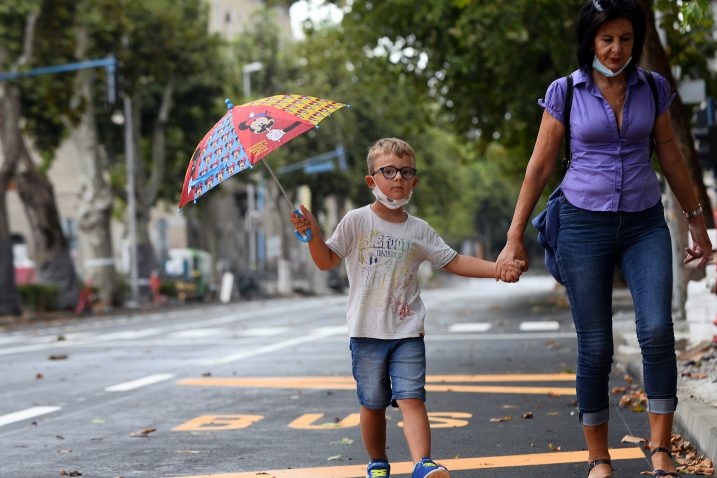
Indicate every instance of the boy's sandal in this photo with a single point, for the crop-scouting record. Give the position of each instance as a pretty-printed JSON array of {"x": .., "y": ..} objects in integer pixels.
[
  {"x": 659, "y": 472},
  {"x": 601, "y": 461}
]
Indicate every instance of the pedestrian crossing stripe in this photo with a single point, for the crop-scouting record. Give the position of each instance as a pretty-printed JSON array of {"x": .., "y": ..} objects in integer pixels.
[
  {"x": 455, "y": 464},
  {"x": 434, "y": 383}
]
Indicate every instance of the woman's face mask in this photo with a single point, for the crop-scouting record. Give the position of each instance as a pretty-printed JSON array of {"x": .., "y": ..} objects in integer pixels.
[{"x": 607, "y": 71}]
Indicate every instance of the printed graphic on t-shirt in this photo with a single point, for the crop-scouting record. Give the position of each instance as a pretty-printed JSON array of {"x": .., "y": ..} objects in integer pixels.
[{"x": 384, "y": 261}]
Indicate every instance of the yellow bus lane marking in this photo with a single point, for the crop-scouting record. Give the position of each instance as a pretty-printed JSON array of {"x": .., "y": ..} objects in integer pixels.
[
  {"x": 437, "y": 383},
  {"x": 218, "y": 422},
  {"x": 455, "y": 464}
]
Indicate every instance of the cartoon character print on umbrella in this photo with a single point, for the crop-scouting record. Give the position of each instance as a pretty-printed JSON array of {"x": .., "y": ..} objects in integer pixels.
[
  {"x": 262, "y": 130},
  {"x": 218, "y": 157}
]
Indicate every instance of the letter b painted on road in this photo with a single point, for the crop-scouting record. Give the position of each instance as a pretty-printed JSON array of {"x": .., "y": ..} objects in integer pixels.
[{"x": 218, "y": 422}]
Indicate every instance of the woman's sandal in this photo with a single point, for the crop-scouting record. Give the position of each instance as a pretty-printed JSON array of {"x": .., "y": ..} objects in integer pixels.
[
  {"x": 659, "y": 472},
  {"x": 601, "y": 461}
]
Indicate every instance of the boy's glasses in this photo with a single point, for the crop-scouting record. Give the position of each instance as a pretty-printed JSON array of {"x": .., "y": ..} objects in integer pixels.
[
  {"x": 601, "y": 5},
  {"x": 389, "y": 172}
]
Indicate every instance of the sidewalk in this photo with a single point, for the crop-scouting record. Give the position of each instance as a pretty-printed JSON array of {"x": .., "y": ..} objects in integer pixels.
[{"x": 696, "y": 415}]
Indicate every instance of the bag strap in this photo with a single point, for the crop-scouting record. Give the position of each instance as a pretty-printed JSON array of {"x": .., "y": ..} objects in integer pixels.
[
  {"x": 567, "y": 159},
  {"x": 653, "y": 88}
]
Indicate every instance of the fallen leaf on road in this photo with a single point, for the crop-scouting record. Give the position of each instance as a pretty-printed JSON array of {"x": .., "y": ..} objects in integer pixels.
[
  {"x": 527, "y": 415},
  {"x": 343, "y": 441},
  {"x": 508, "y": 407},
  {"x": 694, "y": 376},
  {"x": 506, "y": 418},
  {"x": 97, "y": 421},
  {"x": 552, "y": 447},
  {"x": 618, "y": 390},
  {"x": 553, "y": 394},
  {"x": 143, "y": 433},
  {"x": 39, "y": 376},
  {"x": 633, "y": 439},
  {"x": 207, "y": 374},
  {"x": 553, "y": 414},
  {"x": 188, "y": 452},
  {"x": 61, "y": 338},
  {"x": 334, "y": 458},
  {"x": 58, "y": 357},
  {"x": 687, "y": 460},
  {"x": 70, "y": 473},
  {"x": 697, "y": 352}
]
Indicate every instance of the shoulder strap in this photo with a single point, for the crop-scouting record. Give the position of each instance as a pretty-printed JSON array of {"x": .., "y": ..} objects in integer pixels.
[
  {"x": 653, "y": 88},
  {"x": 568, "y": 106}
]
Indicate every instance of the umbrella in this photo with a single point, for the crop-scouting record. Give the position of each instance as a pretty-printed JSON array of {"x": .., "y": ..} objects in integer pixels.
[{"x": 245, "y": 135}]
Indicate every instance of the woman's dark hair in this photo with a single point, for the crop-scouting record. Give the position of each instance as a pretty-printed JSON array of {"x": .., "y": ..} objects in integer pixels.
[{"x": 594, "y": 14}]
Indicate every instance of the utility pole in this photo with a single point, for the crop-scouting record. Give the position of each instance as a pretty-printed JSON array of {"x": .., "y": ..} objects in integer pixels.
[{"x": 131, "y": 199}]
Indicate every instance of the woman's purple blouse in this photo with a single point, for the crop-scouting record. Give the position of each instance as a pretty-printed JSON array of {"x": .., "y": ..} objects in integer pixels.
[{"x": 610, "y": 169}]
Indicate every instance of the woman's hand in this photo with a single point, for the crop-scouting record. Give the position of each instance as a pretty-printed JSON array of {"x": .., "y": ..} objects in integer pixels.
[
  {"x": 701, "y": 244},
  {"x": 512, "y": 255}
]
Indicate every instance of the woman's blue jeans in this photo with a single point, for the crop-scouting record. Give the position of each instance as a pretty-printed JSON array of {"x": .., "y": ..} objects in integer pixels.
[{"x": 590, "y": 245}]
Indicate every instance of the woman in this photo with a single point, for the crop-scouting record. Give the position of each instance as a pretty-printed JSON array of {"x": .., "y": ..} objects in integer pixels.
[{"x": 611, "y": 215}]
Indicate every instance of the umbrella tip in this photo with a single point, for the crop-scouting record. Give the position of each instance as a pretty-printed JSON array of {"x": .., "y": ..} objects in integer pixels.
[{"x": 229, "y": 103}]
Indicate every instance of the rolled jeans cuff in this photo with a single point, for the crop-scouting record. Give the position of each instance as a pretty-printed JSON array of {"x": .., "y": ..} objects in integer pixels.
[
  {"x": 593, "y": 419},
  {"x": 661, "y": 406}
]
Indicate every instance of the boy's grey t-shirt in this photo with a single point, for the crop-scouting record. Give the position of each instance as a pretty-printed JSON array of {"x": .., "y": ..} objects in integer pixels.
[{"x": 382, "y": 260}]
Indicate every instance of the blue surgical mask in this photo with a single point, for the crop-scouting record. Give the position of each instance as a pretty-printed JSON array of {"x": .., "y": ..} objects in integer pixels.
[{"x": 607, "y": 71}]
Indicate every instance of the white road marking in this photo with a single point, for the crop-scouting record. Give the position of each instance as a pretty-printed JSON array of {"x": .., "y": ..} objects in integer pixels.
[
  {"x": 128, "y": 334},
  {"x": 262, "y": 332},
  {"x": 470, "y": 327},
  {"x": 317, "y": 334},
  {"x": 507, "y": 336},
  {"x": 25, "y": 414},
  {"x": 198, "y": 333},
  {"x": 539, "y": 326},
  {"x": 140, "y": 382}
]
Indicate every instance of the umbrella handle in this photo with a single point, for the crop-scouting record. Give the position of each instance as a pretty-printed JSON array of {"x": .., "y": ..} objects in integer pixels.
[{"x": 302, "y": 237}]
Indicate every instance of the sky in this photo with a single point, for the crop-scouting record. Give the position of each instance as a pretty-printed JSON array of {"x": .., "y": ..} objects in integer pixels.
[{"x": 316, "y": 10}]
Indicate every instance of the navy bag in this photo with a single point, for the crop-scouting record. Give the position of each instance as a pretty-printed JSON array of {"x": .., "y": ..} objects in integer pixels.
[{"x": 548, "y": 225}]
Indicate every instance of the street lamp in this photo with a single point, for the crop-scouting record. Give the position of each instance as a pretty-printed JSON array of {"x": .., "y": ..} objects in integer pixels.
[
  {"x": 253, "y": 213},
  {"x": 247, "y": 69}
]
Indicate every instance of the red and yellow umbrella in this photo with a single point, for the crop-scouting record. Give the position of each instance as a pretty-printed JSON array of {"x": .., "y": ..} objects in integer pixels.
[{"x": 246, "y": 134}]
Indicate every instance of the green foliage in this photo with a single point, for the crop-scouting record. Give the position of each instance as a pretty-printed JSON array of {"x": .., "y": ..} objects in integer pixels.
[
  {"x": 688, "y": 27},
  {"x": 39, "y": 297}
]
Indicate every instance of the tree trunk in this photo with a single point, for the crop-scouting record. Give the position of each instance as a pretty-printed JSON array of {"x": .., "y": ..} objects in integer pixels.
[
  {"x": 655, "y": 59},
  {"x": 96, "y": 199},
  {"x": 95, "y": 213},
  {"x": 10, "y": 300},
  {"x": 51, "y": 250},
  {"x": 148, "y": 189}
]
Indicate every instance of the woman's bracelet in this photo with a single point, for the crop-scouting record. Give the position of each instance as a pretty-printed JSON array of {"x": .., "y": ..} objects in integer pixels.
[{"x": 693, "y": 213}]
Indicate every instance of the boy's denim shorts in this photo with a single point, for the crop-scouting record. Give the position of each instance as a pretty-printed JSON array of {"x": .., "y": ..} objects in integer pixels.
[{"x": 388, "y": 370}]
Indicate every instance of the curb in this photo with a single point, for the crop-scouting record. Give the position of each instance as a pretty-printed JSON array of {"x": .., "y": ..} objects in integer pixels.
[{"x": 694, "y": 420}]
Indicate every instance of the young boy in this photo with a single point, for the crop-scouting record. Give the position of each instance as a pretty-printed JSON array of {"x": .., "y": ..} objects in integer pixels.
[{"x": 383, "y": 246}]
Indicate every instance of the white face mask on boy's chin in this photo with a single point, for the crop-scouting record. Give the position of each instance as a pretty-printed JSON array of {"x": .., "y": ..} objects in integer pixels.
[{"x": 387, "y": 201}]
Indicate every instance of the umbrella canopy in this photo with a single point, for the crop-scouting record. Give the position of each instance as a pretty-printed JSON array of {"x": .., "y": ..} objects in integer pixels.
[{"x": 246, "y": 134}]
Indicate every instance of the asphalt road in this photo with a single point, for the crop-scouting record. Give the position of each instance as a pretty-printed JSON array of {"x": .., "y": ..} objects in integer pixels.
[{"x": 263, "y": 389}]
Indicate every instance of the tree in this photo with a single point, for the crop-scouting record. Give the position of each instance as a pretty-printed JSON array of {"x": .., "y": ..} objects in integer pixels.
[
  {"x": 165, "y": 53},
  {"x": 51, "y": 251}
]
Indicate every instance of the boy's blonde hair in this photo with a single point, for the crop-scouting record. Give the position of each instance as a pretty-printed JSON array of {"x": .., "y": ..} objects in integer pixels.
[{"x": 389, "y": 146}]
